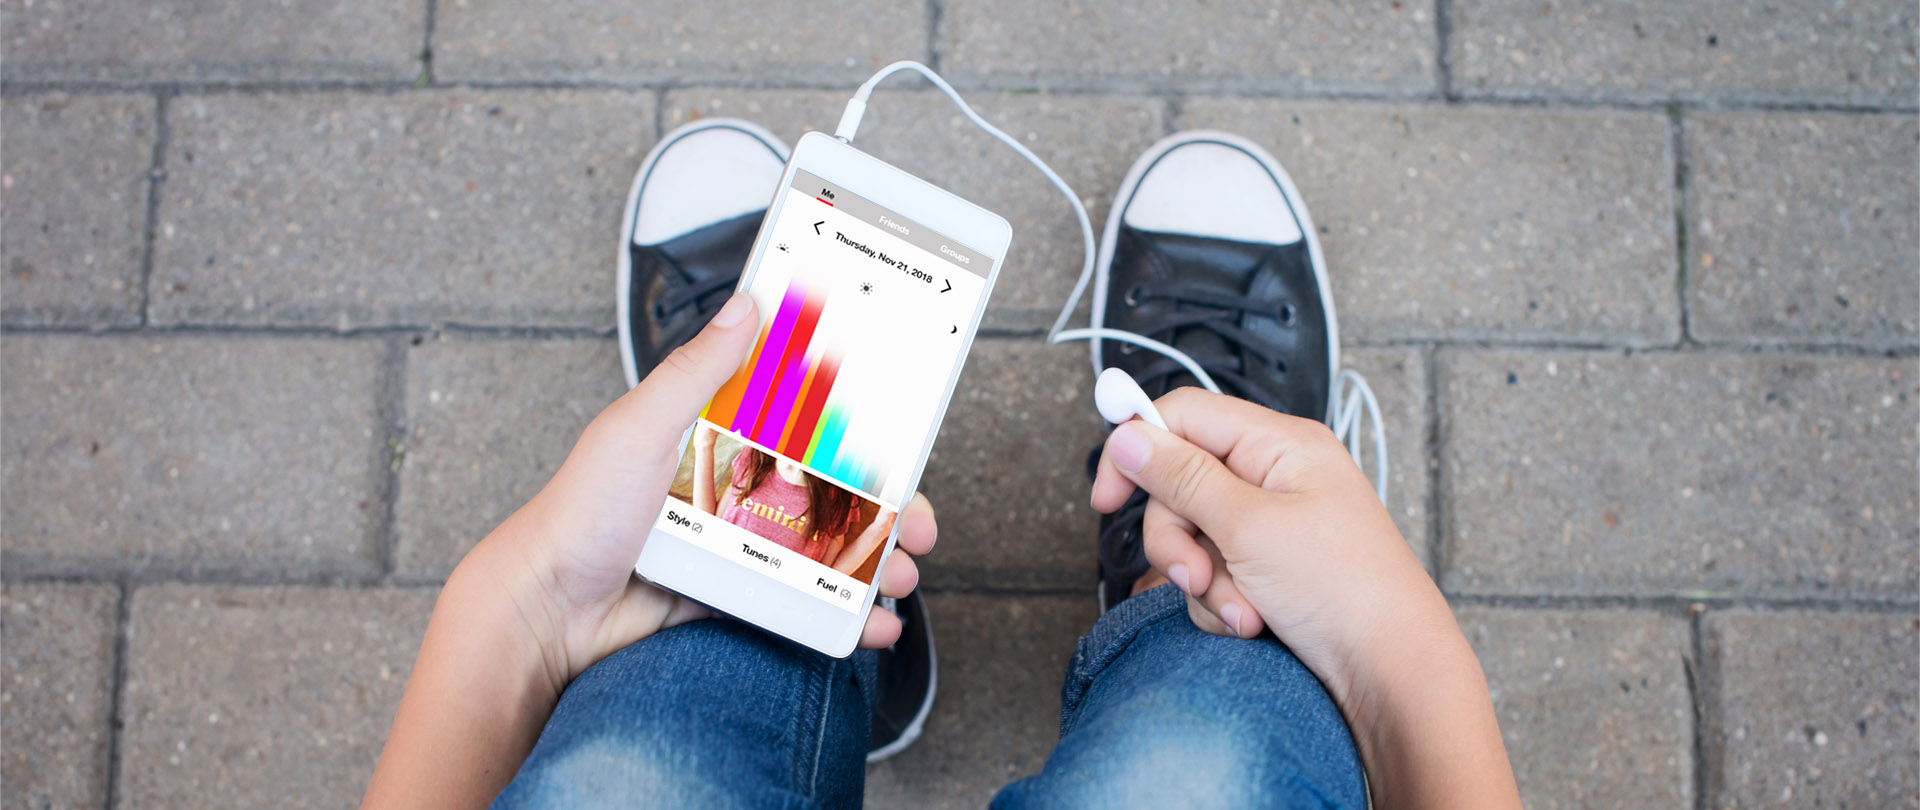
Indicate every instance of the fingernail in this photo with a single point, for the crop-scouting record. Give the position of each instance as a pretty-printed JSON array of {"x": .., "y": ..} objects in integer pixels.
[
  {"x": 1130, "y": 448},
  {"x": 1231, "y": 614},
  {"x": 1178, "y": 574},
  {"x": 729, "y": 316}
]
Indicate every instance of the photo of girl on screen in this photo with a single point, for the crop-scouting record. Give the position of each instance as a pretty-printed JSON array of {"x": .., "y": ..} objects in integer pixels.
[{"x": 779, "y": 500}]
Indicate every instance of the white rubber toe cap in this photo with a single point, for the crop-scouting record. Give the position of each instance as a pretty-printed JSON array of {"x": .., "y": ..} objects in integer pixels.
[
  {"x": 706, "y": 172},
  {"x": 1212, "y": 189}
]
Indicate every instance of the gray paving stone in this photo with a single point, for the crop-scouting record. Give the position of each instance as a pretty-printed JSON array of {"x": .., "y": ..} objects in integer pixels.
[
  {"x": 1816, "y": 710},
  {"x": 1593, "y": 705},
  {"x": 75, "y": 185},
  {"x": 1679, "y": 474},
  {"x": 998, "y": 712},
  {"x": 1859, "y": 51},
  {"x": 56, "y": 689},
  {"x": 488, "y": 423},
  {"x": 1480, "y": 222},
  {"x": 1319, "y": 45},
  {"x": 1008, "y": 474},
  {"x": 609, "y": 40},
  {"x": 209, "y": 454},
  {"x": 1398, "y": 377},
  {"x": 1803, "y": 227},
  {"x": 1089, "y": 140},
  {"x": 354, "y": 210},
  {"x": 262, "y": 697},
  {"x": 212, "y": 40}
]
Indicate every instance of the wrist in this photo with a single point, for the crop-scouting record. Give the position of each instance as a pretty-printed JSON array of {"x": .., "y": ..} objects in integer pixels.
[
  {"x": 1415, "y": 657},
  {"x": 1415, "y": 696},
  {"x": 479, "y": 693},
  {"x": 498, "y": 595}
]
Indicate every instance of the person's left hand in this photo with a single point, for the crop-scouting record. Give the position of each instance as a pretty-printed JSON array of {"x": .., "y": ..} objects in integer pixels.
[{"x": 566, "y": 558}]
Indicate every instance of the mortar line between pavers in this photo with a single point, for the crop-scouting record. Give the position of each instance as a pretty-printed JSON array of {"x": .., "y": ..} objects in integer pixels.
[
  {"x": 1438, "y": 525},
  {"x": 1442, "y": 39},
  {"x": 17, "y": 88},
  {"x": 1677, "y": 603},
  {"x": 1076, "y": 87},
  {"x": 936, "y": 15},
  {"x": 1894, "y": 350},
  {"x": 1172, "y": 109},
  {"x": 1701, "y": 689},
  {"x": 1135, "y": 90},
  {"x": 1676, "y": 143},
  {"x": 391, "y": 411},
  {"x": 536, "y": 332},
  {"x": 163, "y": 574},
  {"x": 156, "y": 176},
  {"x": 116, "y": 717},
  {"x": 1654, "y": 103},
  {"x": 659, "y": 114},
  {"x": 426, "y": 45},
  {"x": 157, "y": 575}
]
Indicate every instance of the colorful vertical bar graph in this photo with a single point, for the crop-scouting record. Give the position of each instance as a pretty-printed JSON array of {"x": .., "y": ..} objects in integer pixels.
[
  {"x": 792, "y": 374},
  {"x": 726, "y": 402},
  {"x": 783, "y": 398},
  {"x": 762, "y": 374},
  {"x": 801, "y": 434}
]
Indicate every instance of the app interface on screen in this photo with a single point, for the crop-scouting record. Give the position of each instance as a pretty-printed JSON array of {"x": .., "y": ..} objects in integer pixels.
[{"x": 800, "y": 464}]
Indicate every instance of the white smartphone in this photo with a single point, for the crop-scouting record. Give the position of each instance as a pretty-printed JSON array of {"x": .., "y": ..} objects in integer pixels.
[{"x": 870, "y": 284}]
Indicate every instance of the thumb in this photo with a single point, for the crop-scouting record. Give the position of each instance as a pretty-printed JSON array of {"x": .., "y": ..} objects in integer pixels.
[
  {"x": 673, "y": 393},
  {"x": 593, "y": 505},
  {"x": 1185, "y": 478}
]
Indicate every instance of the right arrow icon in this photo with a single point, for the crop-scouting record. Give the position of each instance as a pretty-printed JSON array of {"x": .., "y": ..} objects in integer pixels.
[{"x": 948, "y": 283}]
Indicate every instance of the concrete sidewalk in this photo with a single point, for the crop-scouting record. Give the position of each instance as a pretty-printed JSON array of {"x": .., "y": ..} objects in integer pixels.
[{"x": 300, "y": 299}]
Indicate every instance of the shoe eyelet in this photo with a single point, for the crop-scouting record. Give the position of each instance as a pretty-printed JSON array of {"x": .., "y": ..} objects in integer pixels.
[
  {"x": 1132, "y": 298},
  {"x": 1128, "y": 348},
  {"x": 1280, "y": 365},
  {"x": 1286, "y": 314},
  {"x": 658, "y": 313}
]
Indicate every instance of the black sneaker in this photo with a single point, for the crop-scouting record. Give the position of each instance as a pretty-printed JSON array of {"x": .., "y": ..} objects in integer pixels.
[
  {"x": 693, "y": 211},
  {"x": 908, "y": 677},
  {"x": 1209, "y": 249}
]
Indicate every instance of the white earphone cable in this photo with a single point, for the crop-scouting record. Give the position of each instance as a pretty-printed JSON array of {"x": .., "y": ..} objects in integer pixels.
[
  {"x": 1357, "y": 396},
  {"x": 850, "y": 124}
]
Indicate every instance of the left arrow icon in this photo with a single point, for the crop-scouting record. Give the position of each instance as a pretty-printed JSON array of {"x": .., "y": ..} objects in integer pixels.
[{"x": 816, "y": 227}]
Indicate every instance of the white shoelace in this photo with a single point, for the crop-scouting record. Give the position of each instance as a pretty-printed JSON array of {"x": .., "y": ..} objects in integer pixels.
[{"x": 1352, "y": 399}]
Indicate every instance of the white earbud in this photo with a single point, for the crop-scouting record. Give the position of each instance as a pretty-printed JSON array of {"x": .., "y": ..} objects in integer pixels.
[{"x": 1119, "y": 398}]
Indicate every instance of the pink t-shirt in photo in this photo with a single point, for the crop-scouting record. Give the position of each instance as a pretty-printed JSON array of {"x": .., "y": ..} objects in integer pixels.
[{"x": 777, "y": 510}]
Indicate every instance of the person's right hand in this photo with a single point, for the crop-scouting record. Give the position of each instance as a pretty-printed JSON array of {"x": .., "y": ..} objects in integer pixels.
[{"x": 1265, "y": 521}]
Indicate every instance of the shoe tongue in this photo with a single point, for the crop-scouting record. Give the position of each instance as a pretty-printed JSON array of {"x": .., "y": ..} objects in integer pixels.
[
  {"x": 1201, "y": 344},
  {"x": 1217, "y": 265}
]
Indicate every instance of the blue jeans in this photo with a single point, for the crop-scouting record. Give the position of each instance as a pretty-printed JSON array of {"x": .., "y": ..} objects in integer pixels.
[{"x": 1154, "y": 713}]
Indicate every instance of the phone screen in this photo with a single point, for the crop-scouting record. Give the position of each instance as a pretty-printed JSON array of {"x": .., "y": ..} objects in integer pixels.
[{"x": 799, "y": 465}]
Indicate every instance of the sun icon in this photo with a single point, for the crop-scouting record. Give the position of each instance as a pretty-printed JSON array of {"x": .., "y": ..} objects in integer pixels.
[{"x": 866, "y": 288}]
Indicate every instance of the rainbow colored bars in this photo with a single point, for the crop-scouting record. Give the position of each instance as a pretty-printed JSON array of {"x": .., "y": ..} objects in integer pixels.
[{"x": 781, "y": 399}]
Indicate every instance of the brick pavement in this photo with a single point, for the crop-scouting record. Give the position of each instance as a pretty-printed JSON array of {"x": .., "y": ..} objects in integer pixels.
[{"x": 299, "y": 299}]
